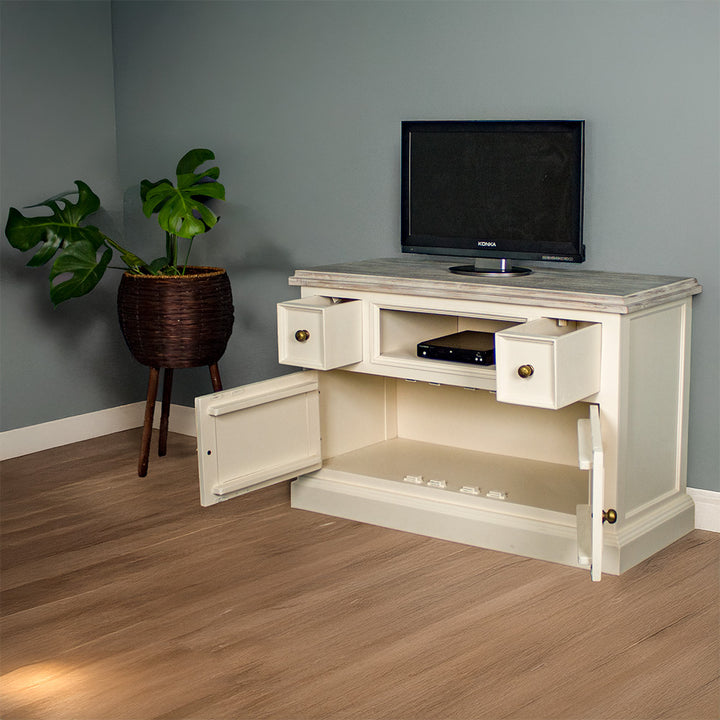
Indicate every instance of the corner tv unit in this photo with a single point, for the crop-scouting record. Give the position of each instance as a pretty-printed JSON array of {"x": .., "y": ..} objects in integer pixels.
[{"x": 499, "y": 190}]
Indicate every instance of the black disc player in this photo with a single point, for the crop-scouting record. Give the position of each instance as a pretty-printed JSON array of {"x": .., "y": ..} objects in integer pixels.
[{"x": 468, "y": 346}]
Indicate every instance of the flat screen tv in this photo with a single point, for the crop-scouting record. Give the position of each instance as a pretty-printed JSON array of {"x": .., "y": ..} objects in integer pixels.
[{"x": 510, "y": 190}]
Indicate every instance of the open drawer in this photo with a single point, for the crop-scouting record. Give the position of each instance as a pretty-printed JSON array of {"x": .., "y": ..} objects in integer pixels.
[
  {"x": 547, "y": 363},
  {"x": 319, "y": 333}
]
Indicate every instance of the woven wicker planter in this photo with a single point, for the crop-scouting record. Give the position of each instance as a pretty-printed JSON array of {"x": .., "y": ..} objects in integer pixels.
[{"x": 176, "y": 321}]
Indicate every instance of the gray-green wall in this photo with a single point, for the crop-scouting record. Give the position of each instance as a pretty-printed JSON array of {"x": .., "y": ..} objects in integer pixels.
[
  {"x": 302, "y": 103},
  {"x": 57, "y": 124}
]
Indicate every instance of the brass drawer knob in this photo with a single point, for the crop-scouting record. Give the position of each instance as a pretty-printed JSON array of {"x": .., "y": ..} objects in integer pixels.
[
  {"x": 525, "y": 371},
  {"x": 610, "y": 516},
  {"x": 302, "y": 335}
]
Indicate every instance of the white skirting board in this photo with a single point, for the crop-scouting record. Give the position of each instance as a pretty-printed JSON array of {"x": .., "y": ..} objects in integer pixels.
[
  {"x": 44, "y": 436},
  {"x": 707, "y": 509}
]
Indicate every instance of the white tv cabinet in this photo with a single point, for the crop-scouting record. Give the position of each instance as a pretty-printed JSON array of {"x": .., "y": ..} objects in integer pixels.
[{"x": 585, "y": 410}]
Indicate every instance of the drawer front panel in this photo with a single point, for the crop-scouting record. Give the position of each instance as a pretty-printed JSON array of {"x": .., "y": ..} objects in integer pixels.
[
  {"x": 548, "y": 364},
  {"x": 538, "y": 388},
  {"x": 308, "y": 352},
  {"x": 319, "y": 333}
]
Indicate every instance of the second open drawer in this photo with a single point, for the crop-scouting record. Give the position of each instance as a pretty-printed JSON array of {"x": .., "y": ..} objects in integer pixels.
[{"x": 548, "y": 363}]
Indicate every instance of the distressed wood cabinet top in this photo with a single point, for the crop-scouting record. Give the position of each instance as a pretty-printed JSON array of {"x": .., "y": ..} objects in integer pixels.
[{"x": 610, "y": 292}]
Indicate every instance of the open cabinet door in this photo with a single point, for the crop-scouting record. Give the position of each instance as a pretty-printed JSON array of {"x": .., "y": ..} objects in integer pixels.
[
  {"x": 590, "y": 517},
  {"x": 256, "y": 435}
]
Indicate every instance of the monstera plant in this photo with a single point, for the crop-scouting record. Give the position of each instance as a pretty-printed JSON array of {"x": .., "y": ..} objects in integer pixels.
[
  {"x": 84, "y": 252},
  {"x": 172, "y": 315}
]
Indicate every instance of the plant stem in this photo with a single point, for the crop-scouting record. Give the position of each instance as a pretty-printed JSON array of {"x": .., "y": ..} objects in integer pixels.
[
  {"x": 132, "y": 262},
  {"x": 187, "y": 256},
  {"x": 171, "y": 248}
]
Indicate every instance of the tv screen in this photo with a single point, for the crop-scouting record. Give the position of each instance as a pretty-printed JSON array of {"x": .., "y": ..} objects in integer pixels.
[{"x": 489, "y": 189}]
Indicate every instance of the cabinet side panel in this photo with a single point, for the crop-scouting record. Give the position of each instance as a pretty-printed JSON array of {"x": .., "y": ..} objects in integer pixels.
[{"x": 655, "y": 406}]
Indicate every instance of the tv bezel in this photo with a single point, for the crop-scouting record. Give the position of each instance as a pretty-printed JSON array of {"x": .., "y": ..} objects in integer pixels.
[{"x": 429, "y": 245}]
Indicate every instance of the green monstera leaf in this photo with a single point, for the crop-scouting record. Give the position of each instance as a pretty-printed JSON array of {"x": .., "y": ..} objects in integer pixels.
[
  {"x": 81, "y": 253},
  {"x": 60, "y": 234},
  {"x": 181, "y": 209},
  {"x": 58, "y": 230},
  {"x": 81, "y": 261}
]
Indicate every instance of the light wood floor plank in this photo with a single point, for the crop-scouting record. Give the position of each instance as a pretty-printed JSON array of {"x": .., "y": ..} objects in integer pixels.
[{"x": 123, "y": 599}]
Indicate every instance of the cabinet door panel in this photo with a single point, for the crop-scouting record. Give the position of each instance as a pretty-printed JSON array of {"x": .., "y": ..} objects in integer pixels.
[
  {"x": 590, "y": 517},
  {"x": 256, "y": 435}
]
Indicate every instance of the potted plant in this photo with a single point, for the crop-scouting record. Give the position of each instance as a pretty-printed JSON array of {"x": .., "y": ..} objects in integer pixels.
[{"x": 172, "y": 314}]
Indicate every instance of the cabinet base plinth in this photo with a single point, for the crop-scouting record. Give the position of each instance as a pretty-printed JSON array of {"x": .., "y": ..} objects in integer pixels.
[
  {"x": 459, "y": 520},
  {"x": 462, "y": 520},
  {"x": 643, "y": 535}
]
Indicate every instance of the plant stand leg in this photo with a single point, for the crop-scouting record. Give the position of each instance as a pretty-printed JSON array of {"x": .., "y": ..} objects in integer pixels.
[
  {"x": 215, "y": 377},
  {"x": 165, "y": 415},
  {"x": 147, "y": 427}
]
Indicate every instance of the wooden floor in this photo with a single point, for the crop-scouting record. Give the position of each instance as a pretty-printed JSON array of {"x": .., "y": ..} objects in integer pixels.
[{"x": 123, "y": 598}]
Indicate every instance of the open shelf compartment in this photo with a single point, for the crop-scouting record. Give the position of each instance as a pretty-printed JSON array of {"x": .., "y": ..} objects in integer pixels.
[{"x": 398, "y": 331}]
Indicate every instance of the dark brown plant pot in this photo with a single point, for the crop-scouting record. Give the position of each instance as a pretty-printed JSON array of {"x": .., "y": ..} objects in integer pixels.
[{"x": 176, "y": 321}]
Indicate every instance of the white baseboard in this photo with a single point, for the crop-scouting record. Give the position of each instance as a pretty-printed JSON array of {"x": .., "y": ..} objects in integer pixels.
[
  {"x": 707, "y": 509},
  {"x": 44, "y": 436},
  {"x": 182, "y": 420}
]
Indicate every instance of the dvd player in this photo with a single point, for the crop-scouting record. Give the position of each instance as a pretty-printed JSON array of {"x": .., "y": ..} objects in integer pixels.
[{"x": 469, "y": 346}]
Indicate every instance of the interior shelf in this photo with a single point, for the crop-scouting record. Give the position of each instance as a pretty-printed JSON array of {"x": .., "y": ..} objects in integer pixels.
[
  {"x": 527, "y": 486},
  {"x": 411, "y": 360}
]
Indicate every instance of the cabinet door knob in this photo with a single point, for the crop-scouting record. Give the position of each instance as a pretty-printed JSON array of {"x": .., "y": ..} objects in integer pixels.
[
  {"x": 525, "y": 371},
  {"x": 610, "y": 516},
  {"x": 302, "y": 335}
]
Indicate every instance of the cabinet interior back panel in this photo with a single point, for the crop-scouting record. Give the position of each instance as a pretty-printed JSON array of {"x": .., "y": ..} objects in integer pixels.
[
  {"x": 401, "y": 331},
  {"x": 473, "y": 419}
]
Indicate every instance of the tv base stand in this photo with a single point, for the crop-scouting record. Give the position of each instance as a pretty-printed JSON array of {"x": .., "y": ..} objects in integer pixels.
[{"x": 505, "y": 268}]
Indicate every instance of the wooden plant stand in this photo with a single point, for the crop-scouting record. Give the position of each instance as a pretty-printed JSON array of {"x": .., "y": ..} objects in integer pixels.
[{"x": 153, "y": 382}]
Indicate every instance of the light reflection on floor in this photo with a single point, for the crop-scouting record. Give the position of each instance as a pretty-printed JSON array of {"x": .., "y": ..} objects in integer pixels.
[{"x": 36, "y": 682}]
